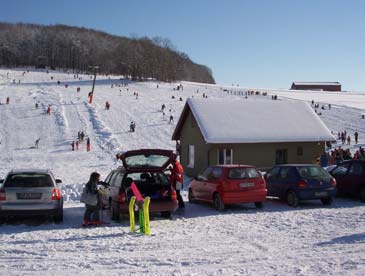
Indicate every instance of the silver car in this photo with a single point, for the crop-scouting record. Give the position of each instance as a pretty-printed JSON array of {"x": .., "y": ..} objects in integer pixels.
[{"x": 25, "y": 193}]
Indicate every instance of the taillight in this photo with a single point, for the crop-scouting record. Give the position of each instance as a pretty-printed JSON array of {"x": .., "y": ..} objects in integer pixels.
[
  {"x": 56, "y": 194},
  {"x": 173, "y": 194},
  {"x": 121, "y": 197},
  {"x": 263, "y": 183},
  {"x": 333, "y": 182},
  {"x": 302, "y": 184},
  {"x": 2, "y": 195}
]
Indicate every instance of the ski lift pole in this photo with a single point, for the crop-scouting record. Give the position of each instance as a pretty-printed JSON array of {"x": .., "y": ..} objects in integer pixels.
[{"x": 91, "y": 94}]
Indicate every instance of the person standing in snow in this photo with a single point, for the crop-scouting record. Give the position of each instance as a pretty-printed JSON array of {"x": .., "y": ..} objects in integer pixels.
[
  {"x": 171, "y": 121},
  {"x": 177, "y": 180},
  {"x": 88, "y": 144},
  {"x": 7, "y": 100},
  {"x": 77, "y": 144},
  {"x": 49, "y": 110},
  {"x": 73, "y": 145},
  {"x": 91, "y": 215},
  {"x": 36, "y": 143},
  {"x": 348, "y": 140},
  {"x": 356, "y": 134}
]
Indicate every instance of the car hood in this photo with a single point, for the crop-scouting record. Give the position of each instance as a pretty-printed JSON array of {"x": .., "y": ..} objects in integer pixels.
[{"x": 147, "y": 159}]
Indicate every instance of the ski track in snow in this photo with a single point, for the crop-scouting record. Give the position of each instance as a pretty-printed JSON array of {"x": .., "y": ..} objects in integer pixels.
[{"x": 275, "y": 240}]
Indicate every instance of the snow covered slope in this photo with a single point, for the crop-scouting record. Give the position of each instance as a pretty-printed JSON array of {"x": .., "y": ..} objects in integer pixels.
[{"x": 276, "y": 240}]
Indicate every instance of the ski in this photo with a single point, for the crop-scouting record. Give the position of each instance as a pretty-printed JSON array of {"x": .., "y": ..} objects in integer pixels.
[
  {"x": 131, "y": 214},
  {"x": 146, "y": 215}
]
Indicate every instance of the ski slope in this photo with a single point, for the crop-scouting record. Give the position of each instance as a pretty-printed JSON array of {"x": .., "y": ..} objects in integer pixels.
[{"x": 276, "y": 240}]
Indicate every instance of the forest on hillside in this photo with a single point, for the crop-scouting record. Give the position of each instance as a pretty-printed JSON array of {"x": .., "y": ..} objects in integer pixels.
[{"x": 60, "y": 46}]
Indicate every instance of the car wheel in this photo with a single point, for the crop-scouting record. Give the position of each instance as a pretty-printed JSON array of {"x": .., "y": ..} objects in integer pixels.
[
  {"x": 115, "y": 215},
  {"x": 191, "y": 196},
  {"x": 258, "y": 205},
  {"x": 166, "y": 214},
  {"x": 362, "y": 194},
  {"x": 218, "y": 203},
  {"x": 58, "y": 218},
  {"x": 292, "y": 199},
  {"x": 327, "y": 200}
]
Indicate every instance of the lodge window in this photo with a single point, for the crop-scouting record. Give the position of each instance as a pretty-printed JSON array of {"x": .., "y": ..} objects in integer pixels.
[
  {"x": 281, "y": 156},
  {"x": 225, "y": 156},
  {"x": 191, "y": 156}
]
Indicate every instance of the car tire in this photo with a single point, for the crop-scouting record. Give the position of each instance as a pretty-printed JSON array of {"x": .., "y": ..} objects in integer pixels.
[
  {"x": 58, "y": 218},
  {"x": 218, "y": 203},
  {"x": 191, "y": 196},
  {"x": 115, "y": 215},
  {"x": 362, "y": 194},
  {"x": 259, "y": 205},
  {"x": 327, "y": 200},
  {"x": 292, "y": 199},
  {"x": 166, "y": 214}
]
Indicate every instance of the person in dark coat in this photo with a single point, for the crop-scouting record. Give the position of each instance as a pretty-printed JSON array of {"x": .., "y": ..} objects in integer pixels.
[
  {"x": 356, "y": 134},
  {"x": 91, "y": 215}
]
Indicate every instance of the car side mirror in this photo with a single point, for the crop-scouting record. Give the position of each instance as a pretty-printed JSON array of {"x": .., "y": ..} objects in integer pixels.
[{"x": 58, "y": 181}]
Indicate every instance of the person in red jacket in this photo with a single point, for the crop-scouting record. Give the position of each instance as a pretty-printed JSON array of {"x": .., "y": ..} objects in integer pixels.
[{"x": 177, "y": 180}]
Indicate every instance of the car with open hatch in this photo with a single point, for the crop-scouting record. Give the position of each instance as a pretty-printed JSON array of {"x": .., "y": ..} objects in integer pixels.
[
  {"x": 350, "y": 178},
  {"x": 228, "y": 184},
  {"x": 31, "y": 192},
  {"x": 296, "y": 182},
  {"x": 147, "y": 168}
]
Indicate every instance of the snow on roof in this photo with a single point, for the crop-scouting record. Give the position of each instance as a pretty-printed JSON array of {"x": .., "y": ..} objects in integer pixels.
[
  {"x": 315, "y": 83},
  {"x": 258, "y": 121}
]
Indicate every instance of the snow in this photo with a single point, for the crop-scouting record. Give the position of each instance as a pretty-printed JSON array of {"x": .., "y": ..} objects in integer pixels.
[
  {"x": 275, "y": 240},
  {"x": 258, "y": 121}
]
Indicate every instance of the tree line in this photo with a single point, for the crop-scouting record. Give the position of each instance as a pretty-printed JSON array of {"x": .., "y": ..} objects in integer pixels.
[{"x": 61, "y": 46}]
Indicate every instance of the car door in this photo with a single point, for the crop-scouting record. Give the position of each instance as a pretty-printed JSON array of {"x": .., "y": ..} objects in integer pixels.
[
  {"x": 212, "y": 183},
  {"x": 285, "y": 181},
  {"x": 200, "y": 184},
  {"x": 272, "y": 182},
  {"x": 355, "y": 178},
  {"x": 340, "y": 174},
  {"x": 115, "y": 185}
]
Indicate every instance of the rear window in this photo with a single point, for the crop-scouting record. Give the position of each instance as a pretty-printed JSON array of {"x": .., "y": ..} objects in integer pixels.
[
  {"x": 242, "y": 173},
  {"x": 142, "y": 161},
  {"x": 28, "y": 180},
  {"x": 312, "y": 172}
]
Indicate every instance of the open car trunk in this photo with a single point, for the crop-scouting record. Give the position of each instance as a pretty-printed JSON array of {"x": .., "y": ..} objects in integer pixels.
[{"x": 156, "y": 185}]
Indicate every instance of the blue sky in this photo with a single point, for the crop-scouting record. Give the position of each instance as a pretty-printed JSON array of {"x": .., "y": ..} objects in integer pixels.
[{"x": 257, "y": 43}]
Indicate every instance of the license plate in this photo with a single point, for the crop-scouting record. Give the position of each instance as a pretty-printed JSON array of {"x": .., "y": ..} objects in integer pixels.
[
  {"x": 320, "y": 194},
  {"x": 29, "y": 195},
  {"x": 246, "y": 185}
]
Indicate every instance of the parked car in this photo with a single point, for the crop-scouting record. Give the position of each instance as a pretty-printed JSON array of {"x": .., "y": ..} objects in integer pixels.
[
  {"x": 146, "y": 168},
  {"x": 228, "y": 184},
  {"x": 25, "y": 193},
  {"x": 300, "y": 182},
  {"x": 350, "y": 177}
]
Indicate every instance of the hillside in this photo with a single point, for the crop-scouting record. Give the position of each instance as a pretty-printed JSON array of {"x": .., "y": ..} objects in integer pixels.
[
  {"x": 60, "y": 46},
  {"x": 276, "y": 240}
]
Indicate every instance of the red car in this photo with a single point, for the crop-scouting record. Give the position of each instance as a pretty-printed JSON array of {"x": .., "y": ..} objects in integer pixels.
[
  {"x": 144, "y": 167},
  {"x": 228, "y": 184}
]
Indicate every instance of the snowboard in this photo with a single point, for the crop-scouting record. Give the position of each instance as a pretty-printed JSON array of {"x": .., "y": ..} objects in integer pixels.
[{"x": 131, "y": 214}]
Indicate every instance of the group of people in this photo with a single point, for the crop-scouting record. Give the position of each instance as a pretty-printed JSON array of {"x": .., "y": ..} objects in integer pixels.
[
  {"x": 80, "y": 138},
  {"x": 346, "y": 138},
  {"x": 338, "y": 155}
]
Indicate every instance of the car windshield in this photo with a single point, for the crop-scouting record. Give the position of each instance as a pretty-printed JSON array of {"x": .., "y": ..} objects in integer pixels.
[
  {"x": 145, "y": 161},
  {"x": 242, "y": 173},
  {"x": 28, "y": 180},
  {"x": 312, "y": 172}
]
